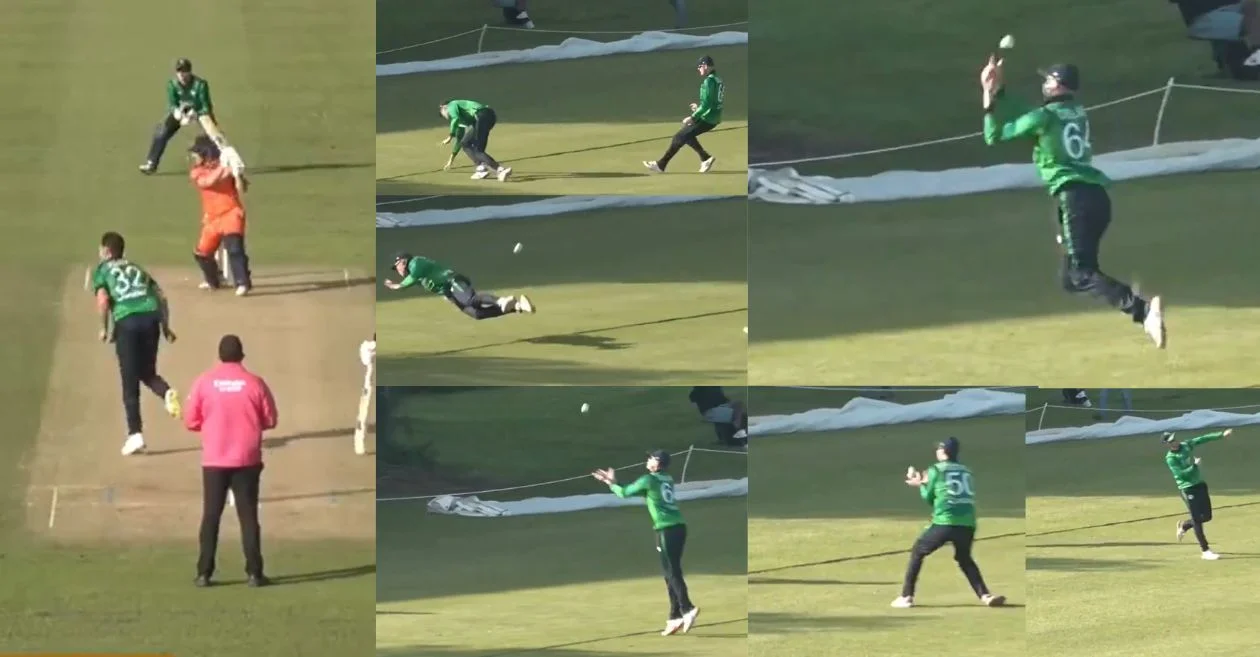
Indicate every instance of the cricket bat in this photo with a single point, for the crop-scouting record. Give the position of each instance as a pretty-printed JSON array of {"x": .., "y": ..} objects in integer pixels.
[{"x": 365, "y": 404}]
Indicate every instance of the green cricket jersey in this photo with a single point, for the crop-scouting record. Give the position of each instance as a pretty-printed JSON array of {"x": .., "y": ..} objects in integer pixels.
[
  {"x": 658, "y": 488},
  {"x": 462, "y": 113},
  {"x": 712, "y": 97},
  {"x": 1181, "y": 462},
  {"x": 1060, "y": 130},
  {"x": 949, "y": 490},
  {"x": 195, "y": 95},
  {"x": 458, "y": 137},
  {"x": 130, "y": 288},
  {"x": 430, "y": 275}
]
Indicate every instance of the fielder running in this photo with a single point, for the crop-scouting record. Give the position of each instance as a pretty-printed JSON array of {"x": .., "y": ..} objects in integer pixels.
[
  {"x": 705, "y": 116},
  {"x": 1184, "y": 466},
  {"x": 135, "y": 316},
  {"x": 440, "y": 279}
]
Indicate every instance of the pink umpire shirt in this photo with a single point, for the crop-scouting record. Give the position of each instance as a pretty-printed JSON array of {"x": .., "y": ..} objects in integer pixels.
[{"x": 231, "y": 407}]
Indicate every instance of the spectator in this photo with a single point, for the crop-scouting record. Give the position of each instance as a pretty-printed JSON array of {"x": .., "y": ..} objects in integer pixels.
[
  {"x": 515, "y": 13},
  {"x": 1232, "y": 27},
  {"x": 230, "y": 407},
  {"x": 729, "y": 418},
  {"x": 1076, "y": 397},
  {"x": 1126, "y": 395}
]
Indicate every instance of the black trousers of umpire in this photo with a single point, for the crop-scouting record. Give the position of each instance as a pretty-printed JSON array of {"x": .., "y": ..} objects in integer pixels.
[
  {"x": 1084, "y": 213},
  {"x": 161, "y": 137},
  {"x": 1199, "y": 503},
  {"x": 670, "y": 543},
  {"x": 244, "y": 484},
  {"x": 686, "y": 136},
  {"x": 136, "y": 340},
  {"x": 934, "y": 538},
  {"x": 477, "y": 305},
  {"x": 477, "y": 138}
]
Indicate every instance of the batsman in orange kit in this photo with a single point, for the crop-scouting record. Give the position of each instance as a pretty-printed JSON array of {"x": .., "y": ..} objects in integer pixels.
[{"x": 222, "y": 216}]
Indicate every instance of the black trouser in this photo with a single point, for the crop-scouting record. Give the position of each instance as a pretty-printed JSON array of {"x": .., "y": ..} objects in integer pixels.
[
  {"x": 934, "y": 538},
  {"x": 1084, "y": 214},
  {"x": 244, "y": 484},
  {"x": 1199, "y": 503},
  {"x": 686, "y": 136},
  {"x": 238, "y": 261},
  {"x": 477, "y": 305},
  {"x": 136, "y": 339},
  {"x": 670, "y": 543},
  {"x": 477, "y": 138},
  {"x": 161, "y": 136}
]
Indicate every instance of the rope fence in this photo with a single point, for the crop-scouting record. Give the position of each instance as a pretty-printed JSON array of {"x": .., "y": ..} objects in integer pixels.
[
  {"x": 1044, "y": 408},
  {"x": 638, "y": 464},
  {"x": 484, "y": 29},
  {"x": 1165, "y": 89}
]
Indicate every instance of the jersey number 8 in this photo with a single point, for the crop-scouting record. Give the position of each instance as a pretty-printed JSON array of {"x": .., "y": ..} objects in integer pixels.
[
  {"x": 1076, "y": 139},
  {"x": 958, "y": 484},
  {"x": 129, "y": 281}
]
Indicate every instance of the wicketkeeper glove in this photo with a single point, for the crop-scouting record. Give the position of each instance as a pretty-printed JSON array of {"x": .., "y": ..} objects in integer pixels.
[{"x": 230, "y": 157}]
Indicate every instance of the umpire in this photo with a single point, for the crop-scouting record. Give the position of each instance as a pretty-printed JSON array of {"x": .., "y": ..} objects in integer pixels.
[
  {"x": 476, "y": 120},
  {"x": 187, "y": 97},
  {"x": 230, "y": 407}
]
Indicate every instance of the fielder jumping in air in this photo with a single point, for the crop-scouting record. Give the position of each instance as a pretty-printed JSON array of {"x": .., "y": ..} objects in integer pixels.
[
  {"x": 187, "y": 97},
  {"x": 222, "y": 216},
  {"x": 472, "y": 122},
  {"x": 657, "y": 487},
  {"x": 440, "y": 279},
  {"x": 947, "y": 486},
  {"x": 705, "y": 116},
  {"x": 135, "y": 316},
  {"x": 1059, "y": 130},
  {"x": 1194, "y": 490}
]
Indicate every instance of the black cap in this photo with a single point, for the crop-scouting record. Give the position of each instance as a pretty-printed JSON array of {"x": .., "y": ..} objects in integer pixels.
[
  {"x": 402, "y": 256},
  {"x": 230, "y": 349},
  {"x": 661, "y": 456},
  {"x": 705, "y": 61},
  {"x": 951, "y": 447},
  {"x": 1169, "y": 436},
  {"x": 1068, "y": 75},
  {"x": 183, "y": 65}
]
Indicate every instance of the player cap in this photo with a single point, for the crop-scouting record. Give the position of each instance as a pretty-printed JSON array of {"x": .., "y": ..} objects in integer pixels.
[
  {"x": 402, "y": 256},
  {"x": 705, "y": 61},
  {"x": 183, "y": 65},
  {"x": 661, "y": 457},
  {"x": 951, "y": 447},
  {"x": 1169, "y": 436},
  {"x": 1068, "y": 75}
]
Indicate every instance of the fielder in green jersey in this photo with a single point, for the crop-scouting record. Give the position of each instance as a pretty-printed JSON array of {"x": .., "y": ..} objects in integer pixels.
[
  {"x": 705, "y": 116},
  {"x": 439, "y": 279},
  {"x": 470, "y": 126},
  {"x": 1059, "y": 131},
  {"x": 947, "y": 486},
  {"x": 1184, "y": 466},
  {"x": 134, "y": 316},
  {"x": 187, "y": 97},
  {"x": 657, "y": 488}
]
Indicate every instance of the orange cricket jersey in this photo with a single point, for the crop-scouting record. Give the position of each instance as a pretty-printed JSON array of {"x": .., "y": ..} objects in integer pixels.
[{"x": 220, "y": 198}]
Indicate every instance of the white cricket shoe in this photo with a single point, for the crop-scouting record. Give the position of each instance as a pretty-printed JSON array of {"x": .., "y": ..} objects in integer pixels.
[
  {"x": 1181, "y": 531},
  {"x": 707, "y": 164},
  {"x": 204, "y": 286},
  {"x": 1209, "y": 555},
  {"x": 1154, "y": 322},
  {"x": 689, "y": 619},
  {"x": 242, "y": 290},
  {"x": 1253, "y": 60},
  {"x": 480, "y": 173},
  {"x": 653, "y": 166},
  {"x": 172, "y": 403},
  {"x": 903, "y": 602},
  {"x": 672, "y": 627},
  {"x": 503, "y": 173},
  {"x": 524, "y": 305},
  {"x": 134, "y": 444},
  {"x": 991, "y": 600}
]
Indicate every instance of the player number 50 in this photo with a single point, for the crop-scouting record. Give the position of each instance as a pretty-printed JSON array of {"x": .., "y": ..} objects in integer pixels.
[
  {"x": 958, "y": 484},
  {"x": 1076, "y": 140},
  {"x": 667, "y": 493}
]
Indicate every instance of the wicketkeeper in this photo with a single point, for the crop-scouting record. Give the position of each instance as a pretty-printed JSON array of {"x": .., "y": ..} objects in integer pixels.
[{"x": 187, "y": 98}]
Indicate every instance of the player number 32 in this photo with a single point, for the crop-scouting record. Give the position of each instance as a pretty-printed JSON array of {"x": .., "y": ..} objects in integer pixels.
[{"x": 129, "y": 281}]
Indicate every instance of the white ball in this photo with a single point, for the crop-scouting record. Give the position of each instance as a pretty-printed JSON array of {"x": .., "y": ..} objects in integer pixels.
[
  {"x": 517, "y": 248},
  {"x": 586, "y": 407},
  {"x": 745, "y": 330},
  {"x": 1007, "y": 42}
]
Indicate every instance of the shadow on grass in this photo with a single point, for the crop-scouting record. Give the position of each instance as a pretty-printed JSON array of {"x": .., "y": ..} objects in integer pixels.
[
  {"x": 460, "y": 370},
  {"x": 1083, "y": 565},
  {"x": 862, "y": 557},
  {"x": 312, "y": 577},
  {"x": 288, "y": 289},
  {"x": 276, "y": 442},
  {"x": 285, "y": 168},
  {"x": 1107, "y": 544},
  {"x": 349, "y": 492},
  {"x": 782, "y": 623},
  {"x": 814, "y": 582}
]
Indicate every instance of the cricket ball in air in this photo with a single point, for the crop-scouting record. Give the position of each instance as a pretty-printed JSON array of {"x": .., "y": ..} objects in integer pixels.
[
  {"x": 517, "y": 248},
  {"x": 1007, "y": 42},
  {"x": 586, "y": 408}
]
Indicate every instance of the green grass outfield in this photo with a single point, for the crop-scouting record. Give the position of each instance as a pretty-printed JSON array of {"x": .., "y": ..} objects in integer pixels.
[
  {"x": 586, "y": 130},
  {"x": 401, "y": 26},
  {"x": 83, "y": 93},
  {"x": 830, "y": 527},
  {"x": 970, "y": 285},
  {"x": 1104, "y": 568},
  {"x": 581, "y": 584},
  {"x": 651, "y": 295}
]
